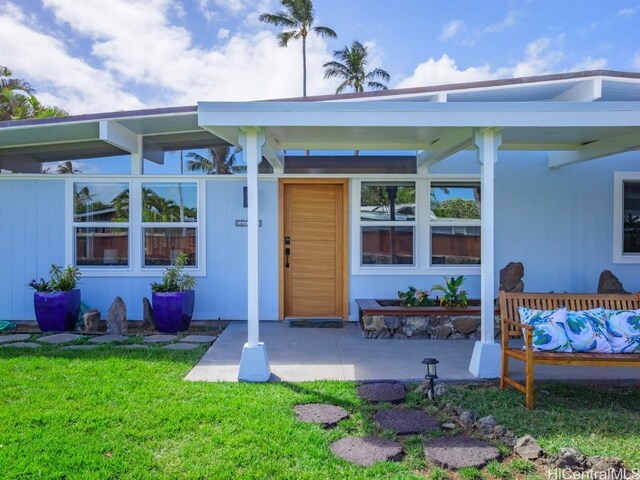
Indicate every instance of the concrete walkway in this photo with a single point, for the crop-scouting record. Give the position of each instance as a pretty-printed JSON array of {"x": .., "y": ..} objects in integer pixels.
[{"x": 305, "y": 354}]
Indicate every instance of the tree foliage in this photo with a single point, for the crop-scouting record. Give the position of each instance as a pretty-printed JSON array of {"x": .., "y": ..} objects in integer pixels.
[
  {"x": 18, "y": 100},
  {"x": 221, "y": 161},
  {"x": 350, "y": 66},
  {"x": 456, "y": 208}
]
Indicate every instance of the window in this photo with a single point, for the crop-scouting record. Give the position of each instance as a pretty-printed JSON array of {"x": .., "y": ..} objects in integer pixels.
[
  {"x": 455, "y": 223},
  {"x": 387, "y": 222},
  {"x": 626, "y": 235},
  {"x": 101, "y": 224},
  {"x": 137, "y": 226},
  {"x": 169, "y": 217}
]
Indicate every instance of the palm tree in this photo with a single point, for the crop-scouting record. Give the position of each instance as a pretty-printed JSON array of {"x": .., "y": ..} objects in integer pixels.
[
  {"x": 221, "y": 161},
  {"x": 350, "y": 66},
  {"x": 67, "y": 167},
  {"x": 297, "y": 22},
  {"x": 17, "y": 100}
]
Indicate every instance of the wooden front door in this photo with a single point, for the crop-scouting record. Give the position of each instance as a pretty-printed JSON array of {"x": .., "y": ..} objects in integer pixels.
[{"x": 313, "y": 259}]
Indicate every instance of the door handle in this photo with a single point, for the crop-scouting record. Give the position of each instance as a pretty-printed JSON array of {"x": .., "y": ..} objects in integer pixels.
[{"x": 287, "y": 252}]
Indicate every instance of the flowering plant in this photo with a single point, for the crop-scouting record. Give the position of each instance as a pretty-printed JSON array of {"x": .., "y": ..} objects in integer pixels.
[{"x": 414, "y": 298}]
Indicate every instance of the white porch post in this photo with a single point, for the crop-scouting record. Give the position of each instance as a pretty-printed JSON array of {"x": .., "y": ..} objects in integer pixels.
[
  {"x": 254, "y": 365},
  {"x": 486, "y": 358}
]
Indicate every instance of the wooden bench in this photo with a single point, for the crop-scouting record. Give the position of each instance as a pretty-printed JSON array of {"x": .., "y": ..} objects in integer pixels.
[{"x": 511, "y": 327}]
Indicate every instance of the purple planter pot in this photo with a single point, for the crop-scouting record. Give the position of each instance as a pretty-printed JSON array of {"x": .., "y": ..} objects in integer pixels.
[
  {"x": 172, "y": 311},
  {"x": 57, "y": 311}
]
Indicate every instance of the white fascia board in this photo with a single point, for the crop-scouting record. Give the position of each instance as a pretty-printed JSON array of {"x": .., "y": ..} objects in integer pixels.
[
  {"x": 447, "y": 145},
  {"x": 419, "y": 114},
  {"x": 117, "y": 135},
  {"x": 587, "y": 90},
  {"x": 598, "y": 149}
]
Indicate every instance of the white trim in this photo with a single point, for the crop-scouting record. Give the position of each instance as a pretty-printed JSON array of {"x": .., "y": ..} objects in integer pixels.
[
  {"x": 136, "y": 267},
  {"x": 618, "y": 193},
  {"x": 422, "y": 228}
]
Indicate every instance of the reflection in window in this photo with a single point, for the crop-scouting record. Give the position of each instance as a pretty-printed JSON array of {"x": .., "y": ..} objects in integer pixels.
[
  {"x": 395, "y": 202},
  {"x": 455, "y": 223},
  {"x": 100, "y": 202},
  {"x": 102, "y": 246},
  {"x": 631, "y": 207},
  {"x": 163, "y": 245},
  {"x": 169, "y": 202},
  {"x": 387, "y": 245},
  {"x": 110, "y": 165},
  {"x": 455, "y": 245}
]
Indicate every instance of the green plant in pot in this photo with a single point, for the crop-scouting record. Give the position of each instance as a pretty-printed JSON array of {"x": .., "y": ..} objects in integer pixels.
[
  {"x": 57, "y": 301},
  {"x": 452, "y": 296},
  {"x": 414, "y": 298},
  {"x": 173, "y": 298}
]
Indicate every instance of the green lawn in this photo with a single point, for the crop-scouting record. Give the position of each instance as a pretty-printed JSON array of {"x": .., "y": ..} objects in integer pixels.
[{"x": 110, "y": 413}]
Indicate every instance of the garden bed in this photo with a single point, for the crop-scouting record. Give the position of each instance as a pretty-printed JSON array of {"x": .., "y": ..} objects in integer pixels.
[{"x": 389, "y": 319}]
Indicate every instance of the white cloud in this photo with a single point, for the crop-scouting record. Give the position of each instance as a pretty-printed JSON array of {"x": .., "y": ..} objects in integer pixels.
[
  {"x": 451, "y": 29},
  {"x": 443, "y": 71},
  {"x": 627, "y": 12},
  {"x": 509, "y": 21},
  {"x": 540, "y": 58},
  {"x": 223, "y": 33},
  {"x": 589, "y": 63}
]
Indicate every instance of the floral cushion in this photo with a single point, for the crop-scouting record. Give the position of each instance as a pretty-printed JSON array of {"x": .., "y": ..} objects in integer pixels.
[
  {"x": 549, "y": 328},
  {"x": 623, "y": 330},
  {"x": 587, "y": 331}
]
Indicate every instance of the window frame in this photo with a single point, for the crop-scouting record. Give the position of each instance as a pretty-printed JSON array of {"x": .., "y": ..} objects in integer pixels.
[
  {"x": 619, "y": 257},
  {"x": 136, "y": 227},
  {"x": 422, "y": 229}
]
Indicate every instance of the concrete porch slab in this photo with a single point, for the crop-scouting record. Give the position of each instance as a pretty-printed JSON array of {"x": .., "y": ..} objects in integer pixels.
[{"x": 307, "y": 354}]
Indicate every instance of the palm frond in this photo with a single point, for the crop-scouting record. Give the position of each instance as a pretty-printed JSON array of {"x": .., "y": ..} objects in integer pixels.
[
  {"x": 284, "y": 37},
  {"x": 325, "y": 32},
  {"x": 377, "y": 86},
  {"x": 280, "y": 19},
  {"x": 378, "y": 73}
]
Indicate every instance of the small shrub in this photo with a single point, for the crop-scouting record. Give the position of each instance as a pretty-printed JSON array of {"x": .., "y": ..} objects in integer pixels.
[
  {"x": 62, "y": 280},
  {"x": 414, "y": 298},
  {"x": 499, "y": 470},
  {"x": 470, "y": 473},
  {"x": 453, "y": 296},
  {"x": 173, "y": 280},
  {"x": 520, "y": 465},
  {"x": 437, "y": 473}
]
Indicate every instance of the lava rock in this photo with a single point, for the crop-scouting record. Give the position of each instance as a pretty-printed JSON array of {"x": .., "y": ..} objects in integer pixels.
[
  {"x": 609, "y": 283},
  {"x": 569, "y": 458},
  {"x": 466, "y": 325},
  {"x": 611, "y": 466},
  {"x": 486, "y": 425},
  {"x": 367, "y": 451},
  {"x": 458, "y": 452},
  {"x": 382, "y": 392},
  {"x": 405, "y": 422},
  {"x": 91, "y": 320},
  {"x": 117, "y": 318},
  {"x": 326, "y": 415},
  {"x": 527, "y": 447},
  {"x": 468, "y": 418},
  {"x": 148, "y": 322},
  {"x": 511, "y": 277}
]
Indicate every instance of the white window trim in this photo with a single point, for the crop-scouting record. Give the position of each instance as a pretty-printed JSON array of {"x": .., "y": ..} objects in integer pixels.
[
  {"x": 618, "y": 198},
  {"x": 422, "y": 225},
  {"x": 136, "y": 266}
]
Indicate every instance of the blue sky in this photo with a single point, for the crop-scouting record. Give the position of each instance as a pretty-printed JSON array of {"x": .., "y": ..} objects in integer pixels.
[{"x": 92, "y": 55}]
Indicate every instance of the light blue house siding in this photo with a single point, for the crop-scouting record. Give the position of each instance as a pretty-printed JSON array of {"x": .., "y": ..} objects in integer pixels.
[{"x": 559, "y": 223}]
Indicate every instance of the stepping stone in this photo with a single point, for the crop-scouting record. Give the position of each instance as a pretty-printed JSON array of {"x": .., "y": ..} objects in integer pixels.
[
  {"x": 14, "y": 337},
  {"x": 326, "y": 415},
  {"x": 22, "y": 345},
  {"x": 59, "y": 338},
  {"x": 367, "y": 451},
  {"x": 382, "y": 392},
  {"x": 181, "y": 346},
  {"x": 458, "y": 452},
  {"x": 80, "y": 347},
  {"x": 134, "y": 347},
  {"x": 198, "y": 339},
  {"x": 159, "y": 338},
  {"x": 109, "y": 338},
  {"x": 406, "y": 422}
]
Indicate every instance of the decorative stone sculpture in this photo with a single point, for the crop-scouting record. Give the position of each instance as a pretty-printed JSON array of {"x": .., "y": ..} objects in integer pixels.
[
  {"x": 609, "y": 283},
  {"x": 91, "y": 320},
  {"x": 511, "y": 277},
  {"x": 148, "y": 323},
  {"x": 117, "y": 318}
]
